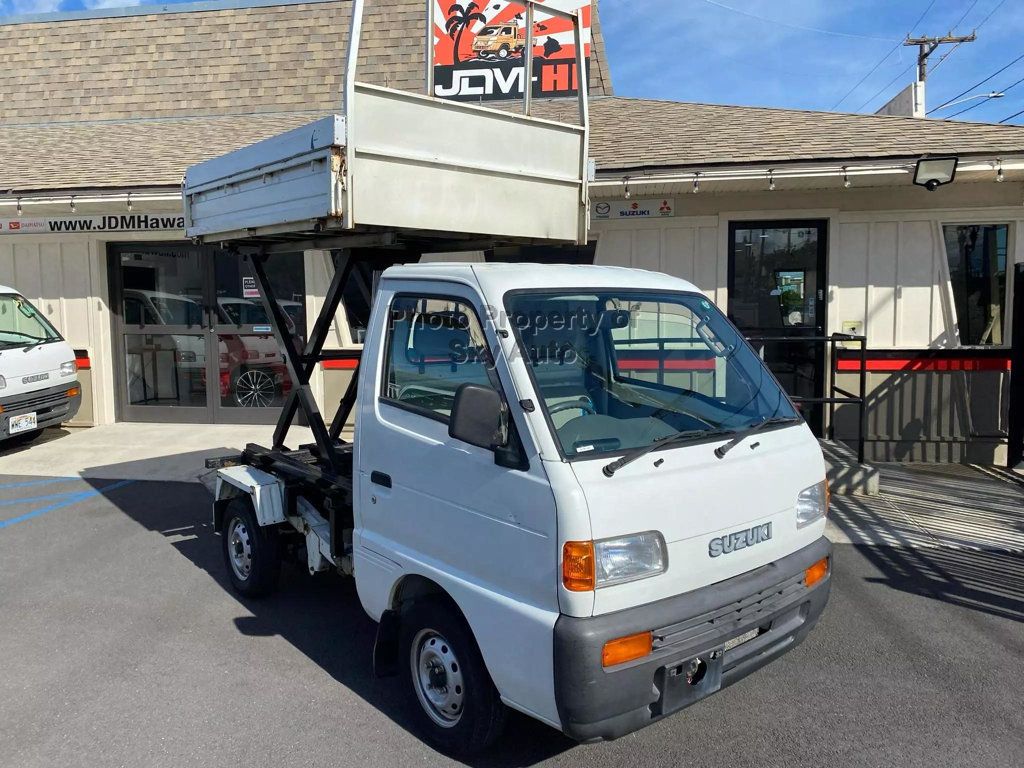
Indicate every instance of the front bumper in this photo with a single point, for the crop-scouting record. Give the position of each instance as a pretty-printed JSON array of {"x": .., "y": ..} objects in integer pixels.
[
  {"x": 52, "y": 406},
  {"x": 595, "y": 703}
]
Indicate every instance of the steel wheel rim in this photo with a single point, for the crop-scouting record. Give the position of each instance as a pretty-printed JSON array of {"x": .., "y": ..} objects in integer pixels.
[
  {"x": 254, "y": 389},
  {"x": 437, "y": 678},
  {"x": 240, "y": 549}
]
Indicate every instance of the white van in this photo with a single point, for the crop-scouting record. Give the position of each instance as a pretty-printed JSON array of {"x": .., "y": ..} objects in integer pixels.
[{"x": 38, "y": 374}]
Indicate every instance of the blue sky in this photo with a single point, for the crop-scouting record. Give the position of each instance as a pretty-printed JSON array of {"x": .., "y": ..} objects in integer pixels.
[{"x": 802, "y": 54}]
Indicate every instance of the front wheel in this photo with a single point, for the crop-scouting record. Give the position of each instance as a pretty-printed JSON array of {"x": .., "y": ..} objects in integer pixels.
[
  {"x": 458, "y": 707},
  {"x": 251, "y": 552}
]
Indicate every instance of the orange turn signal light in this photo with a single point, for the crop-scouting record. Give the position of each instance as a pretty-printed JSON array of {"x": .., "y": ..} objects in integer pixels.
[
  {"x": 73, "y": 392},
  {"x": 578, "y": 566},
  {"x": 816, "y": 572},
  {"x": 628, "y": 648}
]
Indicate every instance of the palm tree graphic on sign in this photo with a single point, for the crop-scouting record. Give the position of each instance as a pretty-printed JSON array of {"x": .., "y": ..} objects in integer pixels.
[{"x": 459, "y": 19}]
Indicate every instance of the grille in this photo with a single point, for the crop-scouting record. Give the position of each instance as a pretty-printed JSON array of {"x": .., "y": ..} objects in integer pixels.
[
  {"x": 39, "y": 402},
  {"x": 743, "y": 613}
]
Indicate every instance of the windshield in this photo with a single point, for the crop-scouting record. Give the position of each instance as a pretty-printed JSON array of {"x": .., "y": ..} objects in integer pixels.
[
  {"x": 623, "y": 369},
  {"x": 21, "y": 324}
]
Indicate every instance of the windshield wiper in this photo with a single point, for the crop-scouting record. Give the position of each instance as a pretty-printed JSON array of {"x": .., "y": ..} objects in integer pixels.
[
  {"x": 679, "y": 437},
  {"x": 721, "y": 450}
]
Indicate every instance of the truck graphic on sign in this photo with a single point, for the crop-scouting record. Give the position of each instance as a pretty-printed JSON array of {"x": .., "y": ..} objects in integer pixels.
[{"x": 478, "y": 50}]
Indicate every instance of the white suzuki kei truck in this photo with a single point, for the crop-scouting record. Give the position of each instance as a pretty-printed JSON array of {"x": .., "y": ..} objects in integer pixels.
[
  {"x": 38, "y": 373},
  {"x": 572, "y": 491},
  {"x": 576, "y": 491}
]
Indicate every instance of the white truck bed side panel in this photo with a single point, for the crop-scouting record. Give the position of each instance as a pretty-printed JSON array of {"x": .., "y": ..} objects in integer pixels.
[{"x": 418, "y": 163}]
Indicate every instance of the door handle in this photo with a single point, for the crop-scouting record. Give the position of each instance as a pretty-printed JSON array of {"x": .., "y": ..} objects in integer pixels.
[{"x": 380, "y": 478}]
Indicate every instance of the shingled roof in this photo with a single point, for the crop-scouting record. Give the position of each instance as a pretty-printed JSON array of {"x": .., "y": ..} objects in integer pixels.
[
  {"x": 645, "y": 133},
  {"x": 229, "y": 61},
  {"x": 133, "y": 101}
]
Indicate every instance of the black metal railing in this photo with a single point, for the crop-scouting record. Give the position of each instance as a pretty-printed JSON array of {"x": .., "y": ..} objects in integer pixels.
[{"x": 836, "y": 395}]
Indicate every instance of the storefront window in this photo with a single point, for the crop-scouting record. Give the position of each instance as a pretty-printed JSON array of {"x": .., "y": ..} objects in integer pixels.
[{"x": 977, "y": 272}]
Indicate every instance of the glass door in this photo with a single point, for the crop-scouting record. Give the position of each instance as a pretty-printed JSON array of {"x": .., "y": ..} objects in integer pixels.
[
  {"x": 193, "y": 337},
  {"x": 162, "y": 333},
  {"x": 777, "y": 289},
  {"x": 252, "y": 380}
]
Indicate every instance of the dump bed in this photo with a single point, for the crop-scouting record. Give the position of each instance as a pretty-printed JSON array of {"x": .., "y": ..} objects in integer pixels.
[{"x": 399, "y": 161}]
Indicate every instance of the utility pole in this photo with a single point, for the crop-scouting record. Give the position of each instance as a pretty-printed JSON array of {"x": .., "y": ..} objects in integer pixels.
[{"x": 926, "y": 46}]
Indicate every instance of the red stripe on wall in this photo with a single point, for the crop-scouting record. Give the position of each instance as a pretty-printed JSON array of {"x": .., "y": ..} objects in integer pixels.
[
  {"x": 668, "y": 365},
  {"x": 340, "y": 365},
  {"x": 928, "y": 364}
]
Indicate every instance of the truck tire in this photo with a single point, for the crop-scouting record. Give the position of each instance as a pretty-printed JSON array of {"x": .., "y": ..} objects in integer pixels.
[
  {"x": 251, "y": 552},
  {"x": 455, "y": 700}
]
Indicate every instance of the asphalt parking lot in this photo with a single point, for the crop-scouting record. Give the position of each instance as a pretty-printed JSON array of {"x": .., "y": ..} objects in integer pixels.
[{"x": 121, "y": 645}]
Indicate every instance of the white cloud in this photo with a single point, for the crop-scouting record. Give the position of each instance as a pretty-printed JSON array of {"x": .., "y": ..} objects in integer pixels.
[
  {"x": 29, "y": 6},
  {"x": 91, "y": 4}
]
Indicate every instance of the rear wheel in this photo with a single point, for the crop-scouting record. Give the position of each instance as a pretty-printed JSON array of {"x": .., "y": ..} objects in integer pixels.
[
  {"x": 458, "y": 707},
  {"x": 251, "y": 552}
]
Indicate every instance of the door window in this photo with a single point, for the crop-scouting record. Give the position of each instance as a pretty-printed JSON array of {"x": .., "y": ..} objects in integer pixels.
[
  {"x": 977, "y": 273},
  {"x": 434, "y": 345}
]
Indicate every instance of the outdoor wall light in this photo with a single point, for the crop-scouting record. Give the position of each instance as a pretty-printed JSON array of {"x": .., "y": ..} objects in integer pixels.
[
  {"x": 771, "y": 180},
  {"x": 932, "y": 172},
  {"x": 999, "y": 172},
  {"x": 696, "y": 183},
  {"x": 625, "y": 183},
  {"x": 19, "y": 207},
  {"x": 846, "y": 178}
]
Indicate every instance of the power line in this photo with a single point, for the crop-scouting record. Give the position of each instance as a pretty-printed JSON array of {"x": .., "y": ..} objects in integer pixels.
[
  {"x": 998, "y": 6},
  {"x": 966, "y": 13},
  {"x": 985, "y": 100},
  {"x": 885, "y": 87},
  {"x": 1015, "y": 115},
  {"x": 796, "y": 26},
  {"x": 883, "y": 59},
  {"x": 981, "y": 82}
]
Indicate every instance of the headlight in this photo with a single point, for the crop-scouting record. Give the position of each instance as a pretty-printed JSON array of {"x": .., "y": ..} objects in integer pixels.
[
  {"x": 3, "y": 383},
  {"x": 628, "y": 558},
  {"x": 70, "y": 368},
  {"x": 812, "y": 504}
]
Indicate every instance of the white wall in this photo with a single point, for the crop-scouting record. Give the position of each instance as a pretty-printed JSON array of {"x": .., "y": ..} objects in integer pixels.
[{"x": 886, "y": 268}]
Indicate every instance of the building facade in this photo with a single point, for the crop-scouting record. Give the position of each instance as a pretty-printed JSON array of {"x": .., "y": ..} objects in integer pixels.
[{"x": 798, "y": 224}]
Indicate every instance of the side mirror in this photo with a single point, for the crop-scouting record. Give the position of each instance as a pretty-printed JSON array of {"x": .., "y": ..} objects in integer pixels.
[{"x": 478, "y": 417}]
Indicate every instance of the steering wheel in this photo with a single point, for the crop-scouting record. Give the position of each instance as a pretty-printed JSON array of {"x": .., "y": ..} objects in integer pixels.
[{"x": 581, "y": 404}]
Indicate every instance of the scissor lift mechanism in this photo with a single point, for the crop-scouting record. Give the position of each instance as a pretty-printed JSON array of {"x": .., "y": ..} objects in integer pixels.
[{"x": 394, "y": 171}]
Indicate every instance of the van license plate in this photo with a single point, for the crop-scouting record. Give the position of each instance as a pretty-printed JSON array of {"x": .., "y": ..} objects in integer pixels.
[
  {"x": 730, "y": 644},
  {"x": 23, "y": 422}
]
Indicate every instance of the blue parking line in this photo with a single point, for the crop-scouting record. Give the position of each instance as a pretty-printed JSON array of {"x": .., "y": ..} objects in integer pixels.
[
  {"x": 69, "y": 499},
  {"x": 27, "y": 499},
  {"x": 28, "y": 483}
]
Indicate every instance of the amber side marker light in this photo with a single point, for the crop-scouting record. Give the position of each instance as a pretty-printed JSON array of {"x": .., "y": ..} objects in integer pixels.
[
  {"x": 628, "y": 648},
  {"x": 816, "y": 572},
  {"x": 578, "y": 566},
  {"x": 73, "y": 392}
]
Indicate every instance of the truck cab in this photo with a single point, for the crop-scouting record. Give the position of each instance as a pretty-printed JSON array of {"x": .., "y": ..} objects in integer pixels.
[
  {"x": 38, "y": 373},
  {"x": 499, "y": 404}
]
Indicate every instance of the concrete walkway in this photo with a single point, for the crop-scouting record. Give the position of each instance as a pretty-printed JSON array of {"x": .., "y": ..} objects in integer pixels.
[
  {"x": 171, "y": 452},
  {"x": 952, "y": 506}
]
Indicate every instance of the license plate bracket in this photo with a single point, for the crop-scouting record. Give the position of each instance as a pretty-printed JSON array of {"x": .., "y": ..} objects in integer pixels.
[{"x": 22, "y": 422}]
